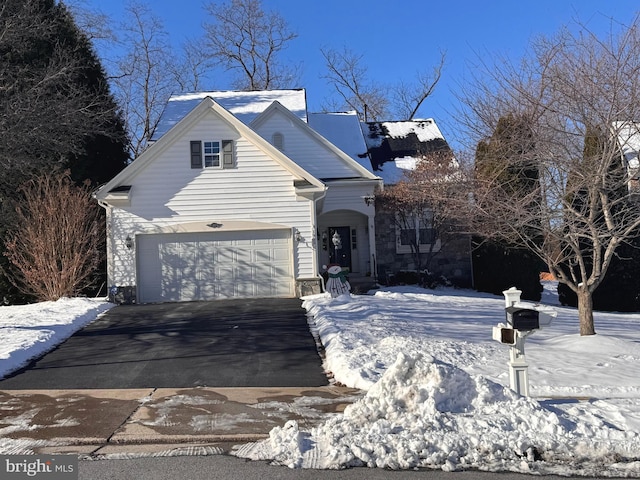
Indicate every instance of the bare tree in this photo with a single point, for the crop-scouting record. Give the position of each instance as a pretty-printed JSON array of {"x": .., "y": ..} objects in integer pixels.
[
  {"x": 141, "y": 80},
  {"x": 371, "y": 100},
  {"x": 348, "y": 75},
  {"x": 429, "y": 205},
  {"x": 190, "y": 72},
  {"x": 249, "y": 41},
  {"x": 409, "y": 97},
  {"x": 55, "y": 245},
  {"x": 577, "y": 94}
]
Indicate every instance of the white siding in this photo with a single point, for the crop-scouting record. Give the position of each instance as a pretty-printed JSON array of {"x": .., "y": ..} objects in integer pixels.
[
  {"x": 168, "y": 192},
  {"x": 306, "y": 151},
  {"x": 348, "y": 196}
]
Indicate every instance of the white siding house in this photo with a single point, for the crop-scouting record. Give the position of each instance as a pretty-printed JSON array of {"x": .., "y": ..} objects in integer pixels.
[{"x": 218, "y": 208}]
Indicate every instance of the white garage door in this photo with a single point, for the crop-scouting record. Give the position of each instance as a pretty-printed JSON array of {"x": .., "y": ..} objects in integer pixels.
[{"x": 182, "y": 267}]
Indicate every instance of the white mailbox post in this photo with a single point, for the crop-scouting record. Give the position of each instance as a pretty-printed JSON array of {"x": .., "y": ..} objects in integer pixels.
[{"x": 522, "y": 321}]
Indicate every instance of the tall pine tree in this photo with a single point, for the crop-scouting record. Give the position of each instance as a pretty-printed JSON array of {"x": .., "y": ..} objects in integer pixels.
[{"x": 498, "y": 266}]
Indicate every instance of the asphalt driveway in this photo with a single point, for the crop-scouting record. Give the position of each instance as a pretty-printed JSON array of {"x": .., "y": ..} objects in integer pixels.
[{"x": 226, "y": 343}]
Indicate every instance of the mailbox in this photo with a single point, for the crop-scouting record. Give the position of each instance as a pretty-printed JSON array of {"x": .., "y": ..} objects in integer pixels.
[
  {"x": 523, "y": 318},
  {"x": 504, "y": 335}
]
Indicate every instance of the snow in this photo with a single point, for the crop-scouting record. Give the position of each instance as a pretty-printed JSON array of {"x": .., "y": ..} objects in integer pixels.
[
  {"x": 437, "y": 391},
  {"x": 425, "y": 130},
  {"x": 246, "y": 106},
  {"x": 28, "y": 331},
  {"x": 435, "y": 384}
]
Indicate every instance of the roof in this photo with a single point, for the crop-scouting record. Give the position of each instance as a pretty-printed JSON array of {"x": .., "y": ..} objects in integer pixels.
[
  {"x": 348, "y": 169},
  {"x": 397, "y": 146},
  {"x": 245, "y": 106},
  {"x": 343, "y": 130}
]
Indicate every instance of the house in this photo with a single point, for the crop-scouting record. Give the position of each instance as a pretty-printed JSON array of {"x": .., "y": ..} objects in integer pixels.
[
  {"x": 237, "y": 197},
  {"x": 394, "y": 148}
]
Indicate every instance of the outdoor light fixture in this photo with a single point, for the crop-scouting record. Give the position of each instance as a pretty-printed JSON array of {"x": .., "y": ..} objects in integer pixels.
[
  {"x": 369, "y": 199},
  {"x": 299, "y": 237},
  {"x": 214, "y": 225},
  {"x": 128, "y": 242}
]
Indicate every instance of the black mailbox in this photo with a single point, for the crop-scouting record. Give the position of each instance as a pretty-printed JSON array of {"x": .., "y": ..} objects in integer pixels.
[{"x": 523, "y": 318}]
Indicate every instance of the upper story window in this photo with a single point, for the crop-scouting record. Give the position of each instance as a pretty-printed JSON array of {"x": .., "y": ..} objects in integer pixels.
[
  {"x": 212, "y": 154},
  {"x": 277, "y": 139}
]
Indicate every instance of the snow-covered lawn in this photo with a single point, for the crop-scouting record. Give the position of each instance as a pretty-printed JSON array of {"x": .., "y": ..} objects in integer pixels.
[
  {"x": 436, "y": 384},
  {"x": 437, "y": 389},
  {"x": 28, "y": 331}
]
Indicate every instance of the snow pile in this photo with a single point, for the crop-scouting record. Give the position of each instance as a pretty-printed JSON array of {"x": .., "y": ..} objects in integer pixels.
[
  {"x": 427, "y": 413},
  {"x": 28, "y": 331}
]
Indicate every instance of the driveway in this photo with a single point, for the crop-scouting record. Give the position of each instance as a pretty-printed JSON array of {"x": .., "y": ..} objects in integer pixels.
[{"x": 226, "y": 343}]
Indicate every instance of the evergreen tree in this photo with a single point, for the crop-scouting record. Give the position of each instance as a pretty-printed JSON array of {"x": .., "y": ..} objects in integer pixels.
[
  {"x": 58, "y": 112},
  {"x": 498, "y": 266},
  {"x": 620, "y": 289}
]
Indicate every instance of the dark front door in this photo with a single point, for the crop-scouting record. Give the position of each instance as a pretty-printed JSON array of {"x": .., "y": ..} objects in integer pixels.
[{"x": 340, "y": 246}]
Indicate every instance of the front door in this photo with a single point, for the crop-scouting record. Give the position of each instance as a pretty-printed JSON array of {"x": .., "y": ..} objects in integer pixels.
[{"x": 339, "y": 246}]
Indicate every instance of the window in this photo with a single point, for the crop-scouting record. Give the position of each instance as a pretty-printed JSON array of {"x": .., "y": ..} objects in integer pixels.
[
  {"x": 211, "y": 154},
  {"x": 415, "y": 229},
  {"x": 215, "y": 154}
]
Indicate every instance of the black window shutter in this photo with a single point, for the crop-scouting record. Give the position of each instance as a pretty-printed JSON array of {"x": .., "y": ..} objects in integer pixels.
[
  {"x": 227, "y": 154},
  {"x": 196, "y": 154}
]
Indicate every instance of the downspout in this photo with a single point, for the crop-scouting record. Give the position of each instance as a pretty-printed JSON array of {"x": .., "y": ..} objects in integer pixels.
[{"x": 315, "y": 242}]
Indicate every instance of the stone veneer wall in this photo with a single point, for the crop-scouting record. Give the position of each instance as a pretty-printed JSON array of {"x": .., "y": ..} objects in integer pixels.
[{"x": 453, "y": 261}]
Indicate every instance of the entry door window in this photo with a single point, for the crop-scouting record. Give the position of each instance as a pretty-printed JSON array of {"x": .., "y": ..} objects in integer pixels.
[{"x": 339, "y": 246}]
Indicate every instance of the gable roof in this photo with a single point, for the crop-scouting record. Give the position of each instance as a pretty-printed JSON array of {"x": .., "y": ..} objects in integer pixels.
[
  {"x": 355, "y": 169},
  {"x": 245, "y": 106},
  {"x": 343, "y": 130},
  {"x": 396, "y": 146},
  {"x": 302, "y": 179}
]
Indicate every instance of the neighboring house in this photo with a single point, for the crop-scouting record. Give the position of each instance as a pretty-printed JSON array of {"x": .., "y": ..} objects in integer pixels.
[
  {"x": 393, "y": 148},
  {"x": 628, "y": 134},
  {"x": 236, "y": 197}
]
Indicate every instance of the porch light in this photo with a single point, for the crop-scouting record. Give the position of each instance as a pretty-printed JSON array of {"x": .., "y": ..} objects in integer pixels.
[
  {"x": 298, "y": 235},
  {"x": 369, "y": 199},
  {"x": 128, "y": 242}
]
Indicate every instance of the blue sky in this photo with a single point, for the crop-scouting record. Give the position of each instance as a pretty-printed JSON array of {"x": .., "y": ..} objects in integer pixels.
[{"x": 400, "y": 38}]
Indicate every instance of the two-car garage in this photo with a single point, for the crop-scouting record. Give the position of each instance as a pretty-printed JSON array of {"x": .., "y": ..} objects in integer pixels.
[{"x": 205, "y": 265}]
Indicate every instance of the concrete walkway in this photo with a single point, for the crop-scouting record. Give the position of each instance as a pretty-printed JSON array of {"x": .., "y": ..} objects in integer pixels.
[{"x": 162, "y": 421}]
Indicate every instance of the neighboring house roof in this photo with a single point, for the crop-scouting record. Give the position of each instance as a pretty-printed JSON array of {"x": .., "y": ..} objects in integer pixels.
[
  {"x": 394, "y": 147},
  {"x": 343, "y": 130},
  {"x": 303, "y": 179},
  {"x": 343, "y": 166},
  {"x": 245, "y": 106}
]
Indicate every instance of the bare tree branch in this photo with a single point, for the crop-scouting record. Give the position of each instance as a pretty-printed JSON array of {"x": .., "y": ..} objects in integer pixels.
[
  {"x": 573, "y": 97},
  {"x": 248, "y": 40}
]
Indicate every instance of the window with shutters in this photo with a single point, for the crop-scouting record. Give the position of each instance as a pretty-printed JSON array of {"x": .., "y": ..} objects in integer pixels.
[{"x": 212, "y": 154}]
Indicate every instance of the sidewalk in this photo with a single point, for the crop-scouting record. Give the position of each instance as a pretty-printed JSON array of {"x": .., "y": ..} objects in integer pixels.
[{"x": 156, "y": 421}]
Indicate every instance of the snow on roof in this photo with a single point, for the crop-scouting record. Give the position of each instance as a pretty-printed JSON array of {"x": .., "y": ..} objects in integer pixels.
[
  {"x": 343, "y": 130},
  {"x": 425, "y": 129},
  {"x": 395, "y": 147},
  {"x": 243, "y": 105}
]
